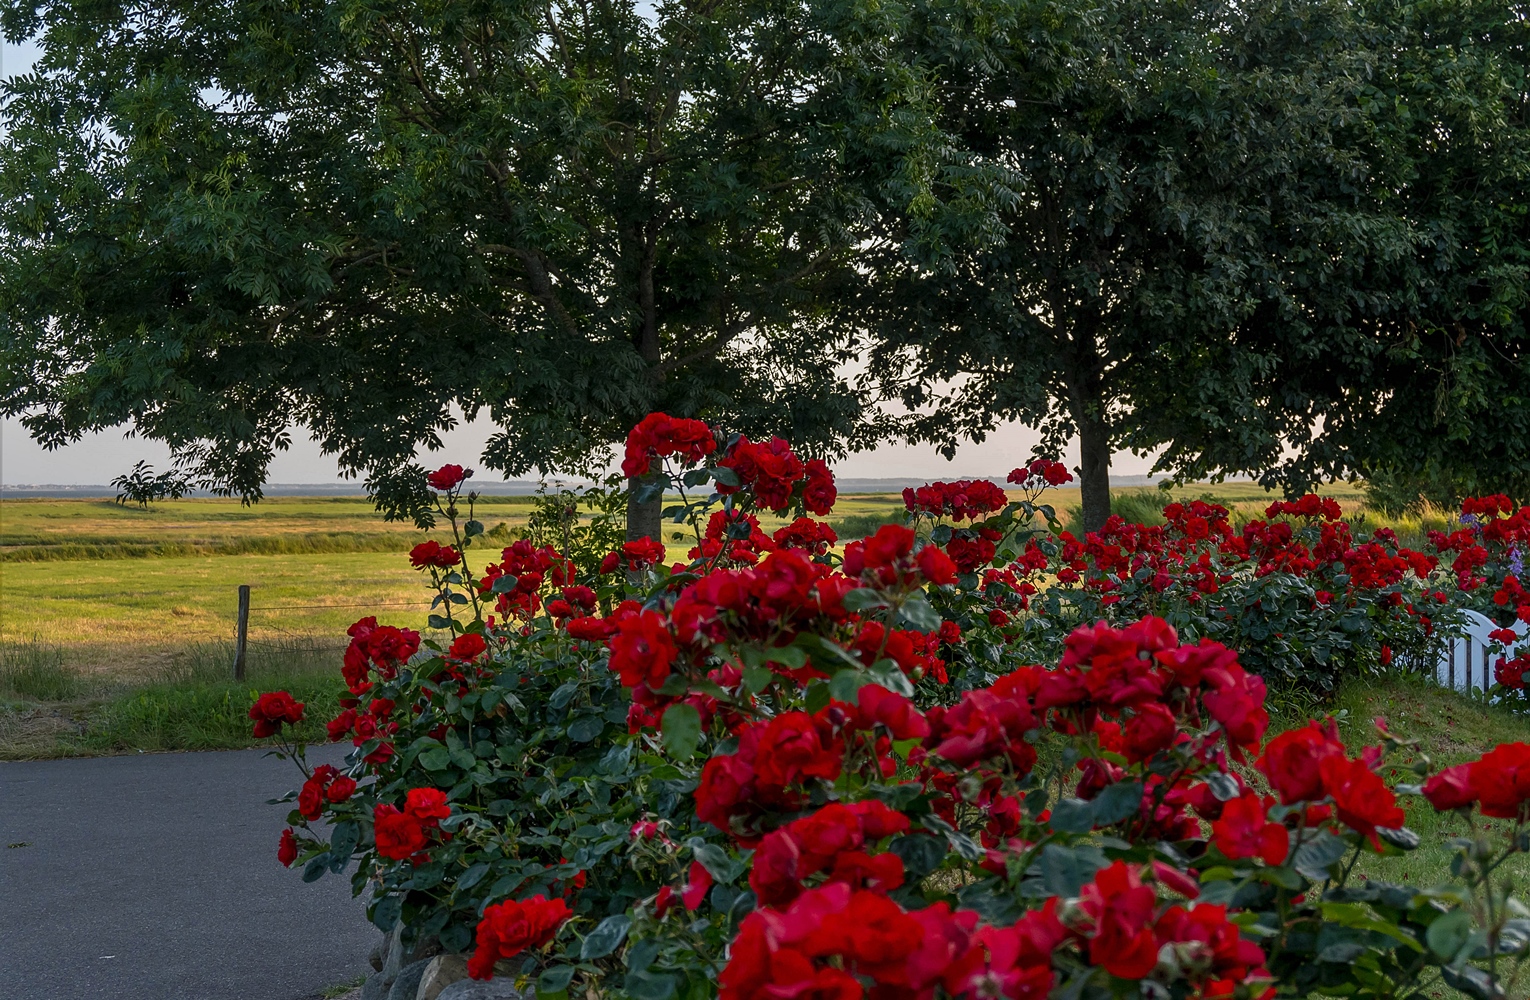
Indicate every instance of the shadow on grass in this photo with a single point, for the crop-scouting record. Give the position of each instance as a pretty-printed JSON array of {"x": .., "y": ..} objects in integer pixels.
[{"x": 49, "y": 709}]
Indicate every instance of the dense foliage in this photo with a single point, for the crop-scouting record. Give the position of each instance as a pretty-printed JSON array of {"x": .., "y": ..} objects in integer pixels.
[
  {"x": 787, "y": 766},
  {"x": 1282, "y": 238}
]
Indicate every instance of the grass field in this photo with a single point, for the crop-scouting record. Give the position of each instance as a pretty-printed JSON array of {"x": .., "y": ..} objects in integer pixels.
[{"x": 125, "y": 603}]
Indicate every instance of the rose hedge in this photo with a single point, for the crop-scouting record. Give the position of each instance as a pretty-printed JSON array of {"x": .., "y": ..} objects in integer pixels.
[{"x": 774, "y": 770}]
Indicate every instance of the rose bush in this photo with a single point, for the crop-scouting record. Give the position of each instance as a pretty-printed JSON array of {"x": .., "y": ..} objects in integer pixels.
[{"x": 778, "y": 768}]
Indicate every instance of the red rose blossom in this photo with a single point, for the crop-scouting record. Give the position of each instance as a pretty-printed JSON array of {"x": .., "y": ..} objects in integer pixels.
[
  {"x": 509, "y": 928},
  {"x": 448, "y": 476},
  {"x": 271, "y": 710}
]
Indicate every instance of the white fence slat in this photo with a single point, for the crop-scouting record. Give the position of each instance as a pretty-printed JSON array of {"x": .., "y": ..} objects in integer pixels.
[{"x": 1466, "y": 664}]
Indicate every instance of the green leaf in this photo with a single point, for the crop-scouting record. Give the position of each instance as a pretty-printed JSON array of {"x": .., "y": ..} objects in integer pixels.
[
  {"x": 846, "y": 686},
  {"x": 1448, "y": 934},
  {"x": 682, "y": 730},
  {"x": 554, "y": 979},
  {"x": 1073, "y": 816},
  {"x": 1065, "y": 870},
  {"x": 649, "y": 985},
  {"x": 472, "y": 529},
  {"x": 1401, "y": 837},
  {"x": 891, "y": 676},
  {"x": 472, "y": 876},
  {"x": 713, "y": 858},
  {"x": 606, "y": 937},
  {"x": 917, "y": 614},
  {"x": 344, "y": 838},
  {"x": 755, "y": 678},
  {"x": 864, "y": 599},
  {"x": 1317, "y": 856},
  {"x": 791, "y": 657},
  {"x": 725, "y": 476},
  {"x": 696, "y": 477},
  {"x": 1117, "y": 802},
  {"x": 436, "y": 759},
  {"x": 315, "y": 869},
  {"x": 1223, "y": 786},
  {"x": 1343, "y": 952},
  {"x": 1472, "y": 981},
  {"x": 504, "y": 584},
  {"x": 586, "y": 728}
]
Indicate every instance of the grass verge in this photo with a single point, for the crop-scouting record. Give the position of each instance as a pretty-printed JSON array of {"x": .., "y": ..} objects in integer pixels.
[{"x": 50, "y": 709}]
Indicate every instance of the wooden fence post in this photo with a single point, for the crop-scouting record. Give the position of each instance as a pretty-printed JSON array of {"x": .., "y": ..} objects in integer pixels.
[{"x": 241, "y": 631}]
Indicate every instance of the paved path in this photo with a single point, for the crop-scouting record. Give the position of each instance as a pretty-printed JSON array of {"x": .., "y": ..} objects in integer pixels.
[{"x": 154, "y": 877}]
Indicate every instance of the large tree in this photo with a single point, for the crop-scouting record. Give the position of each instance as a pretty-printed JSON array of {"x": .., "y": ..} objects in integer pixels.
[
  {"x": 220, "y": 220},
  {"x": 1222, "y": 231}
]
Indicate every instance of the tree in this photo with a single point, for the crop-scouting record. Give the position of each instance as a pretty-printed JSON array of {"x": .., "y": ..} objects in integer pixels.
[
  {"x": 1134, "y": 183},
  {"x": 141, "y": 486},
  {"x": 1286, "y": 239},
  {"x": 223, "y": 220}
]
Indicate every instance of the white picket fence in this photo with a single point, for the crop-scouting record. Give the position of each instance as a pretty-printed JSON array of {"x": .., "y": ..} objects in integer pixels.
[{"x": 1466, "y": 664}]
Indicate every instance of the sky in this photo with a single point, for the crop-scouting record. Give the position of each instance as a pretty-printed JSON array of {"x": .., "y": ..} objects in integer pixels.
[{"x": 98, "y": 458}]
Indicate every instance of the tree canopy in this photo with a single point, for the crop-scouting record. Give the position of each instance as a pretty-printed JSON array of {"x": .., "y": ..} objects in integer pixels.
[
  {"x": 1282, "y": 238},
  {"x": 1285, "y": 238},
  {"x": 222, "y": 220}
]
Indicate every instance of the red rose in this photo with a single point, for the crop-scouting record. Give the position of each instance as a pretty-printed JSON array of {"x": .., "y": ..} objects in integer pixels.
[
  {"x": 311, "y": 798},
  {"x": 1501, "y": 779},
  {"x": 1237, "y": 702},
  {"x": 819, "y": 494},
  {"x": 287, "y": 850},
  {"x": 642, "y": 650},
  {"x": 1361, "y": 798},
  {"x": 398, "y": 834},
  {"x": 447, "y": 476},
  {"x": 698, "y": 881},
  {"x": 428, "y": 805},
  {"x": 1122, "y": 909},
  {"x": 340, "y": 725},
  {"x": 1451, "y": 788},
  {"x": 271, "y": 710},
  {"x": 1292, "y": 761},
  {"x": 590, "y": 629},
  {"x": 433, "y": 553},
  {"x": 610, "y": 562},
  {"x": 341, "y": 789},
  {"x": 877, "y": 705},
  {"x": 643, "y": 553},
  {"x": 1150, "y": 730},
  {"x": 509, "y": 928},
  {"x": 791, "y": 748},
  {"x": 659, "y": 434},
  {"x": 1243, "y": 831},
  {"x": 935, "y": 566},
  {"x": 467, "y": 647}
]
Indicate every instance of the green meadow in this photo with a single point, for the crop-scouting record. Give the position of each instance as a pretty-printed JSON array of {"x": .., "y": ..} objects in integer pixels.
[{"x": 117, "y": 623}]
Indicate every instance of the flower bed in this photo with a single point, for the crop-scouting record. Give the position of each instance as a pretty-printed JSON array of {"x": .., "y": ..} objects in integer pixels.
[{"x": 782, "y": 769}]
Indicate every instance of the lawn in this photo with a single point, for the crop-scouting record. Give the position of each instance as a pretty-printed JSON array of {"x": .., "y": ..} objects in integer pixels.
[{"x": 128, "y": 603}]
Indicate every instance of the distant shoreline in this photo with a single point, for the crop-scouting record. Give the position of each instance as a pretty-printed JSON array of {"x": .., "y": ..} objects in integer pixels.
[{"x": 515, "y": 487}]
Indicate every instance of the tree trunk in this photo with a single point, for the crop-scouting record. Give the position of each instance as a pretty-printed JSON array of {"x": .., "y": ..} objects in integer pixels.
[
  {"x": 644, "y": 520},
  {"x": 1094, "y": 471}
]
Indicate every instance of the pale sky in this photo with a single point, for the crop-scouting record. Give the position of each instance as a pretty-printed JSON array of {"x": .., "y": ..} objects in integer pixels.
[{"x": 99, "y": 457}]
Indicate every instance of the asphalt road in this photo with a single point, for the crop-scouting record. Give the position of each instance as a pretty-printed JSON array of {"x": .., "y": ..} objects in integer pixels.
[{"x": 154, "y": 877}]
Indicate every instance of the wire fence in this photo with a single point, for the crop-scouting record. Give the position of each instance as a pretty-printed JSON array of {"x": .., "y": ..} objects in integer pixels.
[{"x": 255, "y": 626}]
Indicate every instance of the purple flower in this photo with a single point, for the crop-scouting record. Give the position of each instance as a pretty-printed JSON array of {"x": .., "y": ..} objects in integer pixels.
[{"x": 1516, "y": 561}]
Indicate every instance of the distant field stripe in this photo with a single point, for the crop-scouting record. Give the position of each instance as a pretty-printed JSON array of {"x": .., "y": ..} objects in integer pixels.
[
  {"x": 326, "y": 607},
  {"x": 268, "y": 545}
]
